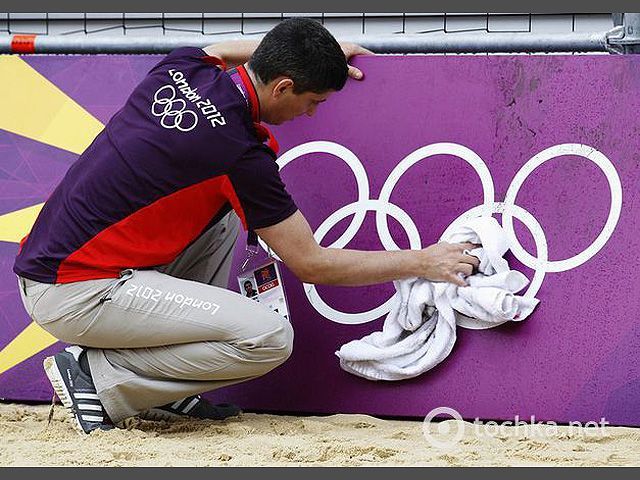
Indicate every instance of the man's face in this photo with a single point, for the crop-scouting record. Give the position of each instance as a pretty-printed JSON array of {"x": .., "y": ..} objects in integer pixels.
[{"x": 287, "y": 105}]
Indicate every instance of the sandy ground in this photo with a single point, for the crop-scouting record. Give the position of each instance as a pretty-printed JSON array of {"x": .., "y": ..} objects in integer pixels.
[{"x": 337, "y": 440}]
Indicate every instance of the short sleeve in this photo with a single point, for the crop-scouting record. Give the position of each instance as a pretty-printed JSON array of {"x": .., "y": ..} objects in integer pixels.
[{"x": 258, "y": 194}]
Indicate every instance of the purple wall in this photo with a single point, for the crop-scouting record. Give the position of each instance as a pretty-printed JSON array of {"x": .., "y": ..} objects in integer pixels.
[{"x": 575, "y": 359}]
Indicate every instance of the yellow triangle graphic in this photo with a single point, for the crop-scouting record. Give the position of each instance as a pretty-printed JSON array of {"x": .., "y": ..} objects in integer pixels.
[
  {"x": 15, "y": 225},
  {"x": 35, "y": 108},
  {"x": 30, "y": 341}
]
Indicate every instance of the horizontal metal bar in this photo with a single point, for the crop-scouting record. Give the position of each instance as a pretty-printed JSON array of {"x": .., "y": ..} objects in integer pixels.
[
  {"x": 482, "y": 42},
  {"x": 439, "y": 42}
]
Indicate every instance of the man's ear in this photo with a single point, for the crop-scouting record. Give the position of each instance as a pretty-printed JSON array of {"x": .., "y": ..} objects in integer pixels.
[{"x": 281, "y": 86}]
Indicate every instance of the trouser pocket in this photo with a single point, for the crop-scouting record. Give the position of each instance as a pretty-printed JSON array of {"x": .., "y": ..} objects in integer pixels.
[
  {"x": 75, "y": 301},
  {"x": 124, "y": 275}
]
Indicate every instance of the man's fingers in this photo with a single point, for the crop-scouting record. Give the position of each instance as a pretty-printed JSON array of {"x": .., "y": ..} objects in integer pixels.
[
  {"x": 456, "y": 280},
  {"x": 466, "y": 256},
  {"x": 465, "y": 268},
  {"x": 350, "y": 50},
  {"x": 355, "y": 73},
  {"x": 470, "y": 260}
]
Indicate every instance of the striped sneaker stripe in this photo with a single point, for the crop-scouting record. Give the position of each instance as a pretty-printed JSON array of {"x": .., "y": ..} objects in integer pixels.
[
  {"x": 191, "y": 404},
  {"x": 87, "y": 406},
  {"x": 92, "y": 418},
  {"x": 176, "y": 405},
  {"x": 86, "y": 396}
]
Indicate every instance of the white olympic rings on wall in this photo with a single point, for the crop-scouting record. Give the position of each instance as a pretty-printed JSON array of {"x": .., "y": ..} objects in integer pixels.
[{"x": 508, "y": 208}]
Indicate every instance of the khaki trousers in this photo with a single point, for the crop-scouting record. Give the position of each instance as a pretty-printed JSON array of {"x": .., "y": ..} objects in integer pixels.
[{"x": 156, "y": 336}]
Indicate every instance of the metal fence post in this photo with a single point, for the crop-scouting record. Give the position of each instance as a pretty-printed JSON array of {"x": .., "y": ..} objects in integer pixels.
[{"x": 625, "y": 37}]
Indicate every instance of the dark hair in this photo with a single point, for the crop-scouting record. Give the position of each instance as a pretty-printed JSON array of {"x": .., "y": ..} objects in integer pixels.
[{"x": 303, "y": 50}]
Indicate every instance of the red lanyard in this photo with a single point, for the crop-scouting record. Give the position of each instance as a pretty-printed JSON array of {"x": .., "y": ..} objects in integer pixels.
[{"x": 241, "y": 79}]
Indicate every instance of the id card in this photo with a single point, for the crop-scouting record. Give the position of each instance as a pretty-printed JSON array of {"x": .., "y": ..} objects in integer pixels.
[{"x": 264, "y": 285}]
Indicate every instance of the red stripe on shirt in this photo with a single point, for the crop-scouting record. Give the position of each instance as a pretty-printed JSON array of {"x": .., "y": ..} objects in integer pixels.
[
  {"x": 230, "y": 193},
  {"x": 153, "y": 235}
]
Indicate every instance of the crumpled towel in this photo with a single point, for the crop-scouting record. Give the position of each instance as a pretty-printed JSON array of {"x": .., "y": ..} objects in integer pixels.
[{"x": 420, "y": 330}]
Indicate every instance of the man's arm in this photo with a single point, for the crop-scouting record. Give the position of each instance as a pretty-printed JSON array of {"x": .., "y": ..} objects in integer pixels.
[
  {"x": 293, "y": 241},
  {"x": 234, "y": 52},
  {"x": 237, "y": 52}
]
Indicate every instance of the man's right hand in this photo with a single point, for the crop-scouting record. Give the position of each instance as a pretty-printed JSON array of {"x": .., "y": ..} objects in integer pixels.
[{"x": 444, "y": 262}]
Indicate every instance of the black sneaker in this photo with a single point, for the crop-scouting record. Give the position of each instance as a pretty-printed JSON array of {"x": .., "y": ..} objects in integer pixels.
[
  {"x": 195, "y": 407},
  {"x": 76, "y": 391}
]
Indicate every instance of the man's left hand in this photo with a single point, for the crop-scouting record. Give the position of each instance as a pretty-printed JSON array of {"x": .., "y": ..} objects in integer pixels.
[{"x": 350, "y": 50}]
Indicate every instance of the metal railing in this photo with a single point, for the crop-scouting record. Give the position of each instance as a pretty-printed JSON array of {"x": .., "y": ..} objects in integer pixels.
[{"x": 623, "y": 38}]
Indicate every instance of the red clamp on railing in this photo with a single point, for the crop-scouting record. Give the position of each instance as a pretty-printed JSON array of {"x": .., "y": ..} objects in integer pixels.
[{"x": 23, "y": 44}]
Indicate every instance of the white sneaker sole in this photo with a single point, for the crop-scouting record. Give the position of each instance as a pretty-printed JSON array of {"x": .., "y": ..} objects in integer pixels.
[{"x": 60, "y": 389}]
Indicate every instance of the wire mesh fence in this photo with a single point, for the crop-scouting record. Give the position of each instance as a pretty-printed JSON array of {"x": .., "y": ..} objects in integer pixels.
[{"x": 259, "y": 23}]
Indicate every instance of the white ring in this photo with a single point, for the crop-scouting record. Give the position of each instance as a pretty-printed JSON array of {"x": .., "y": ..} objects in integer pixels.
[
  {"x": 353, "y": 208},
  {"x": 615, "y": 187},
  {"x": 164, "y": 102},
  {"x": 455, "y": 149},
  {"x": 359, "y": 172},
  {"x": 178, "y": 116}
]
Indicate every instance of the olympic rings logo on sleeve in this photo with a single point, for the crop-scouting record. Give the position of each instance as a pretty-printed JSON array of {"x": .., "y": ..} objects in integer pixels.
[
  {"x": 172, "y": 111},
  {"x": 383, "y": 207}
]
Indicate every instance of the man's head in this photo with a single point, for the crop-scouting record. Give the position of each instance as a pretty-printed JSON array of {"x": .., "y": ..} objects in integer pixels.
[
  {"x": 297, "y": 66},
  {"x": 248, "y": 286}
]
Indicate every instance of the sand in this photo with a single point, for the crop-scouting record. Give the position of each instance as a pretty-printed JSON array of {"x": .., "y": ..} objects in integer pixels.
[{"x": 279, "y": 440}]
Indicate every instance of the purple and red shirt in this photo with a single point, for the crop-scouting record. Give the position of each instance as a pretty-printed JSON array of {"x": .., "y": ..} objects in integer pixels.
[{"x": 184, "y": 150}]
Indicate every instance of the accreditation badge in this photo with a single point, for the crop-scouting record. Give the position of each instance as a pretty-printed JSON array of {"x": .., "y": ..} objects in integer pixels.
[{"x": 264, "y": 285}]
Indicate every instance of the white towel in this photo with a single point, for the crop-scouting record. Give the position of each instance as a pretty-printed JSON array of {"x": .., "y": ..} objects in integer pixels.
[{"x": 420, "y": 330}]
